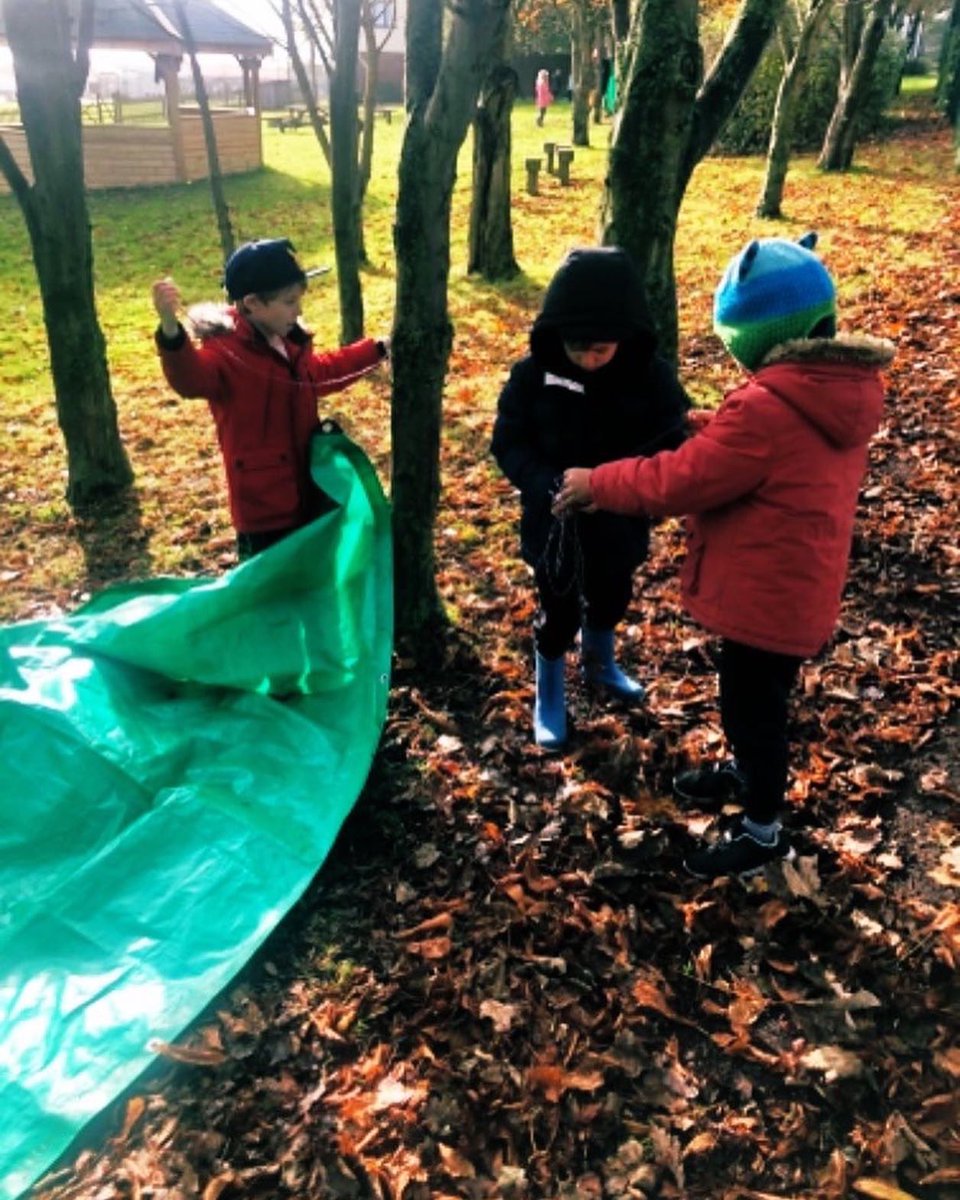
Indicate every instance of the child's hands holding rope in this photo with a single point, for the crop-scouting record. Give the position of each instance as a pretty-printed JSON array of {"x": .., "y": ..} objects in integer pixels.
[{"x": 574, "y": 493}]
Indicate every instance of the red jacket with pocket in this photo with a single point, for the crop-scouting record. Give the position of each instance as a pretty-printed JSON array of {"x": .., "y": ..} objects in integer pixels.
[
  {"x": 771, "y": 487},
  {"x": 264, "y": 406}
]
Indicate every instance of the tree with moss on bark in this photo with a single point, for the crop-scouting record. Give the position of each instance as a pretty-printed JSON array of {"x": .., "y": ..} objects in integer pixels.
[
  {"x": 862, "y": 30},
  {"x": 670, "y": 113},
  {"x": 490, "y": 249},
  {"x": 448, "y": 58},
  {"x": 51, "y": 62},
  {"x": 948, "y": 69},
  {"x": 798, "y": 30}
]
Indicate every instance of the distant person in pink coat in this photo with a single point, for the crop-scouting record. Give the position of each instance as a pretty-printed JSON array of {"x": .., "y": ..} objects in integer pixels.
[
  {"x": 542, "y": 94},
  {"x": 770, "y": 487}
]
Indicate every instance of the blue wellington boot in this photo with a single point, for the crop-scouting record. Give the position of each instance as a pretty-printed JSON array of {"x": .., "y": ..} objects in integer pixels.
[
  {"x": 600, "y": 670},
  {"x": 550, "y": 708}
]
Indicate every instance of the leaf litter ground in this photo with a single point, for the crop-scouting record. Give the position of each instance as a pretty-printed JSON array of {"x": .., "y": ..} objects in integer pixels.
[{"x": 502, "y": 984}]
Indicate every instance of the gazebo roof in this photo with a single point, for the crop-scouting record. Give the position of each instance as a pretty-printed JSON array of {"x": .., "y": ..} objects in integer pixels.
[{"x": 152, "y": 26}]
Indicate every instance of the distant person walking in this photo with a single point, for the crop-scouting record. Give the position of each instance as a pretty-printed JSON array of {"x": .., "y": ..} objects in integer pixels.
[{"x": 542, "y": 94}]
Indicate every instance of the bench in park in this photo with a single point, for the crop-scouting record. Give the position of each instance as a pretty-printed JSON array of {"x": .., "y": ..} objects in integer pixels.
[{"x": 295, "y": 118}]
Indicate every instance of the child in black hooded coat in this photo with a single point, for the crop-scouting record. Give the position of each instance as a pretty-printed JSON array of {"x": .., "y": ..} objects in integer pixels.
[{"x": 592, "y": 390}]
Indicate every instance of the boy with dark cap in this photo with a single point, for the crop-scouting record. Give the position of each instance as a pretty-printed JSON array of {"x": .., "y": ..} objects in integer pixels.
[
  {"x": 592, "y": 389},
  {"x": 256, "y": 367},
  {"x": 771, "y": 486}
]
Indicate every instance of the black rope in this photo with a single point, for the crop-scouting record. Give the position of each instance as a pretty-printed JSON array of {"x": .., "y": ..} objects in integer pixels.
[{"x": 561, "y": 561}]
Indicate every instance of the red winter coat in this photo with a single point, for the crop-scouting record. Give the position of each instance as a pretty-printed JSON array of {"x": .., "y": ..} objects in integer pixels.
[
  {"x": 265, "y": 409},
  {"x": 772, "y": 484}
]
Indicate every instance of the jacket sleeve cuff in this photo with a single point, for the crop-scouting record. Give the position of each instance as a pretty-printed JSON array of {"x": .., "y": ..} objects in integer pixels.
[{"x": 170, "y": 343}]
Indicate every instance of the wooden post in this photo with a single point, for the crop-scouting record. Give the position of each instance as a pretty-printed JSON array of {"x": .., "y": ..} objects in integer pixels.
[
  {"x": 167, "y": 66},
  {"x": 564, "y": 159},
  {"x": 251, "y": 95},
  {"x": 549, "y": 148},
  {"x": 533, "y": 170}
]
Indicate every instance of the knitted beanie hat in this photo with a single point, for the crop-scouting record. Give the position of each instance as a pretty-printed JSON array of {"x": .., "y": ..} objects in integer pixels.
[{"x": 772, "y": 291}]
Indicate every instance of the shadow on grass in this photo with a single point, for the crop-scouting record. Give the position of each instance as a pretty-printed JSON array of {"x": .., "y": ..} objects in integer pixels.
[{"x": 114, "y": 542}]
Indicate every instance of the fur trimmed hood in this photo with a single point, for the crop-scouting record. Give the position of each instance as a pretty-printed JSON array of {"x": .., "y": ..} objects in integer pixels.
[
  {"x": 844, "y": 348},
  {"x": 833, "y": 382},
  {"x": 211, "y": 319}
]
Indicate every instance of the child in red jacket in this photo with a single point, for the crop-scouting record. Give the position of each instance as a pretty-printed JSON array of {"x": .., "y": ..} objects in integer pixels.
[
  {"x": 257, "y": 369},
  {"x": 771, "y": 486}
]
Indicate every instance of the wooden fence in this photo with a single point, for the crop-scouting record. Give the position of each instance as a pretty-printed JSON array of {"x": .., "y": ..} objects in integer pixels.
[{"x": 117, "y": 156}]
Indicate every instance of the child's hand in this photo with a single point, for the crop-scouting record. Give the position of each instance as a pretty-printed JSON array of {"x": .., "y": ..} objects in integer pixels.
[
  {"x": 574, "y": 493},
  {"x": 166, "y": 300},
  {"x": 699, "y": 418}
]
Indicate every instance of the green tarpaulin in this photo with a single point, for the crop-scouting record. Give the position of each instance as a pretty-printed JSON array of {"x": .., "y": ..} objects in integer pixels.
[{"x": 177, "y": 759}]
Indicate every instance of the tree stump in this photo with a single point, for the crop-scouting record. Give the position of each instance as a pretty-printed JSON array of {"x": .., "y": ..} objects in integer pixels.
[
  {"x": 533, "y": 171},
  {"x": 564, "y": 159},
  {"x": 549, "y": 148}
]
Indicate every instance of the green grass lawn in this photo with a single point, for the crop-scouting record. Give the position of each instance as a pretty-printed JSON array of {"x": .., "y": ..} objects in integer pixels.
[{"x": 141, "y": 233}]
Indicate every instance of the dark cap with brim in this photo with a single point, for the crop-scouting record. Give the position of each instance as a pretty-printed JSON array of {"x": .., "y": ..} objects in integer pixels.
[{"x": 264, "y": 266}]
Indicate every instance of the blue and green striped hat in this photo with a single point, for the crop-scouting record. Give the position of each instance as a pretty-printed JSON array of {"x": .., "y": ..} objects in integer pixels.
[{"x": 772, "y": 291}]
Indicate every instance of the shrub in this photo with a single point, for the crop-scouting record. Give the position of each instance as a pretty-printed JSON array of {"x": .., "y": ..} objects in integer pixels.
[{"x": 748, "y": 130}]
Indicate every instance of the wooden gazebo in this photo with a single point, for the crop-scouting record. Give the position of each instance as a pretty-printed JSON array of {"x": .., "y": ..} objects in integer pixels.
[{"x": 118, "y": 155}]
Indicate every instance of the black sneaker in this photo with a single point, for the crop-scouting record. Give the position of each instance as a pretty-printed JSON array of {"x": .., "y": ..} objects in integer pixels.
[
  {"x": 712, "y": 785},
  {"x": 738, "y": 852}
]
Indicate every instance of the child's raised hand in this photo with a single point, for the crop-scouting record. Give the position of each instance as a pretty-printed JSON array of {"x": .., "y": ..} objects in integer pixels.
[
  {"x": 574, "y": 492},
  {"x": 166, "y": 300}
]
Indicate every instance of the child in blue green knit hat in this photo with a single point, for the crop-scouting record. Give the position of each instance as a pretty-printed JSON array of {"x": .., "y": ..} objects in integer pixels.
[
  {"x": 770, "y": 487},
  {"x": 771, "y": 292}
]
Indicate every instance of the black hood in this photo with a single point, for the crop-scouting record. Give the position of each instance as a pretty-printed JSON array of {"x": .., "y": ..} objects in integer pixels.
[{"x": 596, "y": 295}]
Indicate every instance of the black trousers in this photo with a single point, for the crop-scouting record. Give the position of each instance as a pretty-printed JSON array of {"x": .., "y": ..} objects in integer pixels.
[
  {"x": 755, "y": 687},
  {"x": 598, "y": 598},
  {"x": 249, "y": 544}
]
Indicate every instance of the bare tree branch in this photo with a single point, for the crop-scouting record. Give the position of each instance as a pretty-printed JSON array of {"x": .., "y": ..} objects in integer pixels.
[{"x": 306, "y": 85}]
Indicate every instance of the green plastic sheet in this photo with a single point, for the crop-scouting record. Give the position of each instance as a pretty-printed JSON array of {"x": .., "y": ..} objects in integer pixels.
[{"x": 177, "y": 758}]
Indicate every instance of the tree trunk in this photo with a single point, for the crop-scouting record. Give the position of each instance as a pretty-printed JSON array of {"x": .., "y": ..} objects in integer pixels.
[
  {"x": 620, "y": 19},
  {"x": 443, "y": 81},
  {"x": 642, "y": 197},
  {"x": 620, "y": 24},
  {"x": 841, "y": 136},
  {"x": 50, "y": 81},
  {"x": 371, "y": 77},
  {"x": 663, "y": 129},
  {"x": 303, "y": 80},
  {"x": 491, "y": 230},
  {"x": 948, "y": 73},
  {"x": 584, "y": 75},
  {"x": 345, "y": 186},
  {"x": 781, "y": 135},
  {"x": 220, "y": 207}
]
